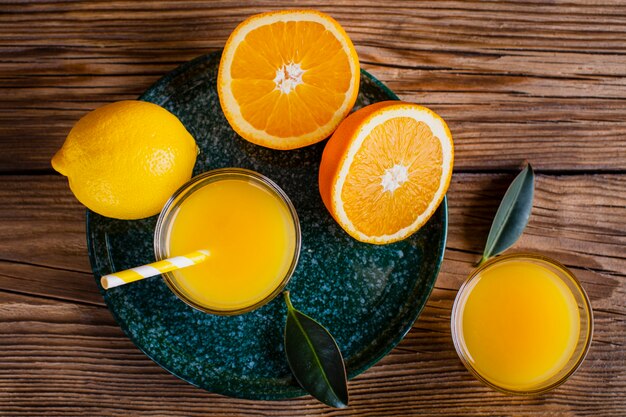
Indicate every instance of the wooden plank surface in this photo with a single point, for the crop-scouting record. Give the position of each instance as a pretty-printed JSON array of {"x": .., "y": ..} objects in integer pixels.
[
  {"x": 525, "y": 80},
  {"x": 60, "y": 347},
  {"x": 515, "y": 81}
]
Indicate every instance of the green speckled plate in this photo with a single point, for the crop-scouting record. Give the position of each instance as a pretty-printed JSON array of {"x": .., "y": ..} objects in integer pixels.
[{"x": 368, "y": 296}]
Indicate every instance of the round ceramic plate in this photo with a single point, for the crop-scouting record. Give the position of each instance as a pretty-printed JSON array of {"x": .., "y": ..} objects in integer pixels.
[{"x": 368, "y": 296}]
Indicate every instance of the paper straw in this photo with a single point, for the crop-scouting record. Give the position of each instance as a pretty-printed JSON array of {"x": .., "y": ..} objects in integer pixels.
[{"x": 135, "y": 274}]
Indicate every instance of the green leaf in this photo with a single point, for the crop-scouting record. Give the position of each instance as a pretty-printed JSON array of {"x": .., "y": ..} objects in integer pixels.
[
  {"x": 314, "y": 358},
  {"x": 513, "y": 214}
]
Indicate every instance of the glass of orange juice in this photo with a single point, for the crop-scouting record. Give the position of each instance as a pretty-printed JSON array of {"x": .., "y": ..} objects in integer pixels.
[
  {"x": 522, "y": 323},
  {"x": 249, "y": 226}
]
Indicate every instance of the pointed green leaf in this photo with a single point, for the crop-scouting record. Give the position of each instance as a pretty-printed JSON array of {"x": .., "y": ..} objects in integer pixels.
[
  {"x": 513, "y": 214},
  {"x": 314, "y": 358}
]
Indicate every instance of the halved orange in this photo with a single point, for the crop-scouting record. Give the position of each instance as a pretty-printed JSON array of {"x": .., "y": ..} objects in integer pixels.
[
  {"x": 286, "y": 79},
  {"x": 385, "y": 170}
]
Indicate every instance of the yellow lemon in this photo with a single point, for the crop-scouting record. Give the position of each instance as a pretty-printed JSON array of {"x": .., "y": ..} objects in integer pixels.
[{"x": 125, "y": 159}]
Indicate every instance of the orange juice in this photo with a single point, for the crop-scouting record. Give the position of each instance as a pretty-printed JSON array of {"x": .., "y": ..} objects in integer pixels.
[
  {"x": 251, "y": 234},
  {"x": 519, "y": 324}
]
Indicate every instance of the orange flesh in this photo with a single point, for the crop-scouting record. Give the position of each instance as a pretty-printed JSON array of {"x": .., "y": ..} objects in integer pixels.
[
  {"x": 325, "y": 77},
  {"x": 399, "y": 141}
]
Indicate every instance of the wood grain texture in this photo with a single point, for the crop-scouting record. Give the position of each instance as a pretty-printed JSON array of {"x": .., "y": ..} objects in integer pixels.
[
  {"x": 515, "y": 81},
  {"x": 62, "y": 354},
  {"x": 529, "y": 80},
  {"x": 63, "y": 359}
]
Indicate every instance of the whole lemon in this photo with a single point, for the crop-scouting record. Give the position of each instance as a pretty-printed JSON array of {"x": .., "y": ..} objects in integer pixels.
[{"x": 125, "y": 159}]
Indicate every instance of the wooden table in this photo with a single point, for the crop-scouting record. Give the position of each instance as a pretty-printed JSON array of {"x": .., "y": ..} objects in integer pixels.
[{"x": 519, "y": 81}]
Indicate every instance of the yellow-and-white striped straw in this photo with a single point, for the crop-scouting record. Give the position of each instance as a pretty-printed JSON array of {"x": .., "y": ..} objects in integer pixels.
[{"x": 135, "y": 274}]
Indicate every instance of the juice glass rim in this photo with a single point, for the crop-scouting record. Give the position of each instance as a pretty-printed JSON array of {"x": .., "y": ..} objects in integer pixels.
[
  {"x": 167, "y": 216},
  {"x": 457, "y": 321}
]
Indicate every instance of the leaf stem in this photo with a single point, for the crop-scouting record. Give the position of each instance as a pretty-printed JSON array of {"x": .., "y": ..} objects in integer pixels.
[{"x": 288, "y": 300}]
